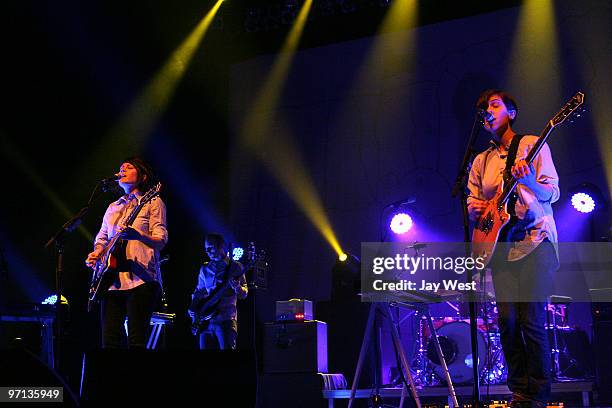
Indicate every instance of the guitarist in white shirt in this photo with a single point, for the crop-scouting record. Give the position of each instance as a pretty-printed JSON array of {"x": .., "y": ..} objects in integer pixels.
[
  {"x": 137, "y": 288},
  {"x": 527, "y": 255},
  {"x": 221, "y": 330}
]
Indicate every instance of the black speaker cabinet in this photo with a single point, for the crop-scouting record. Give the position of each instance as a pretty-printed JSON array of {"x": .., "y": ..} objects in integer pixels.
[
  {"x": 295, "y": 390},
  {"x": 295, "y": 347},
  {"x": 602, "y": 338},
  {"x": 174, "y": 378},
  {"x": 21, "y": 368}
]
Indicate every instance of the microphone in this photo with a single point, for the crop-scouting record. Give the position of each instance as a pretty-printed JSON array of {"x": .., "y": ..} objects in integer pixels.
[
  {"x": 408, "y": 200},
  {"x": 485, "y": 115},
  {"x": 110, "y": 179}
]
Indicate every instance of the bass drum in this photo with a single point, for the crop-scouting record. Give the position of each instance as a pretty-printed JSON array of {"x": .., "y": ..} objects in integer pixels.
[{"x": 456, "y": 347}]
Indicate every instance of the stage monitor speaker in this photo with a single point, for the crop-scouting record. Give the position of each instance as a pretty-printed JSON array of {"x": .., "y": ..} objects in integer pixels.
[
  {"x": 295, "y": 390},
  {"x": 224, "y": 377},
  {"x": 295, "y": 347},
  {"x": 21, "y": 368}
]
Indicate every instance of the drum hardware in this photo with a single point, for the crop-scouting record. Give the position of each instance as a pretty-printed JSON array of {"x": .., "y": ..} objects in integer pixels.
[{"x": 565, "y": 366}]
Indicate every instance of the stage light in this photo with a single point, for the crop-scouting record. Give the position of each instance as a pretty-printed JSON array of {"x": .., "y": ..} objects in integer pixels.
[
  {"x": 51, "y": 300},
  {"x": 583, "y": 202},
  {"x": 237, "y": 253},
  {"x": 586, "y": 198},
  {"x": 343, "y": 257},
  {"x": 401, "y": 223}
]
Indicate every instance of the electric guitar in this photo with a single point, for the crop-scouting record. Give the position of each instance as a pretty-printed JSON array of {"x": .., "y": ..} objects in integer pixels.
[
  {"x": 105, "y": 270},
  {"x": 205, "y": 306},
  {"x": 495, "y": 215}
]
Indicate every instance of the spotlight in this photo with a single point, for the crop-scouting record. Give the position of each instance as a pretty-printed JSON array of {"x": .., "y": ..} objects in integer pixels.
[
  {"x": 401, "y": 223},
  {"x": 583, "y": 202},
  {"x": 51, "y": 300},
  {"x": 587, "y": 198},
  {"x": 237, "y": 253},
  {"x": 343, "y": 257}
]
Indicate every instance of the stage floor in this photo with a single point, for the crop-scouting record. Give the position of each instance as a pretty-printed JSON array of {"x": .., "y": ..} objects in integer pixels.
[{"x": 500, "y": 391}]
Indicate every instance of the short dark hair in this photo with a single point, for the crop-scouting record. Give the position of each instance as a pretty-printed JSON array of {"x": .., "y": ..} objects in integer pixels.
[
  {"x": 146, "y": 177},
  {"x": 483, "y": 101},
  {"x": 216, "y": 239}
]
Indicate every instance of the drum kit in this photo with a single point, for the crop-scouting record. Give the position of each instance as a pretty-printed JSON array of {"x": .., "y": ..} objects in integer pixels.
[{"x": 454, "y": 337}]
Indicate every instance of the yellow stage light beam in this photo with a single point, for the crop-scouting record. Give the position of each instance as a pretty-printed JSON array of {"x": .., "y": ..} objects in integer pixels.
[
  {"x": 127, "y": 136},
  {"x": 534, "y": 63},
  {"x": 265, "y": 103},
  {"x": 284, "y": 162},
  {"x": 146, "y": 109},
  {"x": 394, "y": 49},
  {"x": 278, "y": 153},
  {"x": 389, "y": 60},
  {"x": 19, "y": 161}
]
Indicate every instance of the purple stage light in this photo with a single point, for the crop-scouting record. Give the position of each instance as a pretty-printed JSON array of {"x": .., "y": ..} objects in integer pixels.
[
  {"x": 583, "y": 202},
  {"x": 401, "y": 223}
]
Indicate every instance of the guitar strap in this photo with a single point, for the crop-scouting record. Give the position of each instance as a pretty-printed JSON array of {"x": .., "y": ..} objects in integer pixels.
[{"x": 507, "y": 172}]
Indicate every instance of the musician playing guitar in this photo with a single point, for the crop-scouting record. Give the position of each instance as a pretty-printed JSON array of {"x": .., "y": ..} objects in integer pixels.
[
  {"x": 220, "y": 272},
  {"x": 527, "y": 255},
  {"x": 137, "y": 286}
]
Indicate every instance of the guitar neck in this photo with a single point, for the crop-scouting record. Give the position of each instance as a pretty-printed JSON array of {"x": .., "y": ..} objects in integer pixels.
[{"x": 509, "y": 188}]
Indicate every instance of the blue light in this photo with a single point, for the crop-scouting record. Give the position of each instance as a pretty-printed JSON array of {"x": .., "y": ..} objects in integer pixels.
[
  {"x": 237, "y": 253},
  {"x": 583, "y": 202},
  {"x": 50, "y": 300}
]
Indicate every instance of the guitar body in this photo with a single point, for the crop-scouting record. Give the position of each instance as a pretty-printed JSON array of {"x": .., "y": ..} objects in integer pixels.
[
  {"x": 104, "y": 274},
  {"x": 205, "y": 308},
  {"x": 487, "y": 229}
]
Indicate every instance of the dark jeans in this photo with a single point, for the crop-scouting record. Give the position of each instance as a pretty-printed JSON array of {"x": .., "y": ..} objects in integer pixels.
[
  {"x": 220, "y": 335},
  {"x": 522, "y": 286},
  {"x": 138, "y": 304}
]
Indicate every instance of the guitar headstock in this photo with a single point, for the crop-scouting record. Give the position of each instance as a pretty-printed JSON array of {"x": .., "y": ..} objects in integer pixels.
[
  {"x": 152, "y": 193},
  {"x": 573, "y": 108}
]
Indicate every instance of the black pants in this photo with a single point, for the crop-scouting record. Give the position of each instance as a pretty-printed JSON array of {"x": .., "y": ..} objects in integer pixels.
[
  {"x": 521, "y": 289},
  {"x": 138, "y": 304}
]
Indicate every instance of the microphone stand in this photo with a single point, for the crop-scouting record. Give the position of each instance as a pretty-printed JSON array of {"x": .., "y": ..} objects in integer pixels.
[
  {"x": 459, "y": 189},
  {"x": 58, "y": 239}
]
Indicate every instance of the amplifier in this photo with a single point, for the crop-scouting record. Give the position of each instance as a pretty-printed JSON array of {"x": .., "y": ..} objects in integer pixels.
[
  {"x": 293, "y": 309},
  {"x": 295, "y": 347}
]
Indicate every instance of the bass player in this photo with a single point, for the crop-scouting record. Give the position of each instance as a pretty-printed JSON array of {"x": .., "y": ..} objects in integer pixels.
[{"x": 224, "y": 274}]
